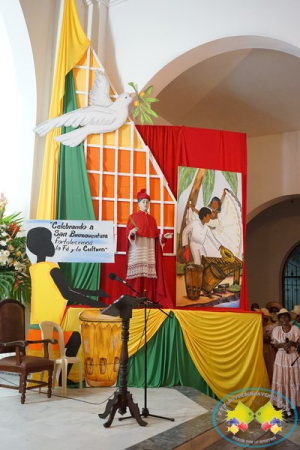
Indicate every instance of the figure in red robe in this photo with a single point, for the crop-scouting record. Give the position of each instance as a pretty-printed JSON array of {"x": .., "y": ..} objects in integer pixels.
[{"x": 144, "y": 256}]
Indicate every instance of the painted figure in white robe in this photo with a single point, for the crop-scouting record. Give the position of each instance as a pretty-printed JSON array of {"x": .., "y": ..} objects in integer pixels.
[{"x": 197, "y": 233}]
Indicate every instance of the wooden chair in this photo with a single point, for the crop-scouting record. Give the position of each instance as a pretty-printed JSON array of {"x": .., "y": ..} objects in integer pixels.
[
  {"x": 62, "y": 360},
  {"x": 12, "y": 340}
]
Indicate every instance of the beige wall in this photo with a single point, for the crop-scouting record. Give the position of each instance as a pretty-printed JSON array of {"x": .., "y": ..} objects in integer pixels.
[
  {"x": 271, "y": 236},
  {"x": 273, "y": 170},
  {"x": 273, "y": 212}
]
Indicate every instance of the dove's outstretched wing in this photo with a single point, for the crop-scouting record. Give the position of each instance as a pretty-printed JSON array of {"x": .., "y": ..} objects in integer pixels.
[
  {"x": 89, "y": 115},
  {"x": 103, "y": 116},
  {"x": 99, "y": 94}
]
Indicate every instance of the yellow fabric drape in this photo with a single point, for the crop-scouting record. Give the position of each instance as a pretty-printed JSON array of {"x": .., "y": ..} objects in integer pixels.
[
  {"x": 154, "y": 317},
  {"x": 72, "y": 45},
  {"x": 226, "y": 349}
]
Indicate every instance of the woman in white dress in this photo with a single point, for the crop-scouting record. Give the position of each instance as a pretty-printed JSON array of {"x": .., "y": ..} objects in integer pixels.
[{"x": 286, "y": 373}]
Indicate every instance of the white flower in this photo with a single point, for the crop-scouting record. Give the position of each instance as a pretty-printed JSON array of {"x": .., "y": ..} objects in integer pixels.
[
  {"x": 3, "y": 243},
  {"x": 18, "y": 266},
  {"x": 6, "y": 253},
  {"x": 3, "y": 258}
]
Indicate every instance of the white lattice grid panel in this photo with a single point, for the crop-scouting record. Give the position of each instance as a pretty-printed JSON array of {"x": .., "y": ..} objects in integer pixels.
[{"x": 83, "y": 83}]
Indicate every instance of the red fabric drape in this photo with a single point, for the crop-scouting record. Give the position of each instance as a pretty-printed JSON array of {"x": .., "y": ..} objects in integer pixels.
[{"x": 190, "y": 147}]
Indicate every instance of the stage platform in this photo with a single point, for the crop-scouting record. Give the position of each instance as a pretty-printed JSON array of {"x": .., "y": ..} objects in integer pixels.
[{"x": 72, "y": 422}]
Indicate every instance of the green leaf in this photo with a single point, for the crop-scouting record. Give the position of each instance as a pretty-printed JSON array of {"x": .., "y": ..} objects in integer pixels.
[
  {"x": 208, "y": 183},
  {"x": 232, "y": 180},
  {"x": 185, "y": 178},
  {"x": 7, "y": 282},
  {"x": 136, "y": 112},
  {"x": 13, "y": 218},
  {"x": 152, "y": 113},
  {"x": 147, "y": 118},
  {"x": 134, "y": 87},
  {"x": 147, "y": 110},
  {"x": 151, "y": 100},
  {"x": 142, "y": 118},
  {"x": 149, "y": 90}
]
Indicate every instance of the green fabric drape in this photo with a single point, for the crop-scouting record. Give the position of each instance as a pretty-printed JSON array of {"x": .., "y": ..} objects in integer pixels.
[
  {"x": 74, "y": 199},
  {"x": 168, "y": 361}
]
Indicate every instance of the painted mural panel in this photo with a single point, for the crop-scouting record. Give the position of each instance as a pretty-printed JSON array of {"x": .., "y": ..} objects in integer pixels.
[{"x": 209, "y": 265}]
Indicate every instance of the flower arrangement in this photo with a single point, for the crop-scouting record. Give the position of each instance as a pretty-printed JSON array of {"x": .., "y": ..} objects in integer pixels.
[
  {"x": 14, "y": 263},
  {"x": 142, "y": 105}
]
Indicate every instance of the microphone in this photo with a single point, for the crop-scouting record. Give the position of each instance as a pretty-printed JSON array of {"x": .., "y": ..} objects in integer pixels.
[{"x": 113, "y": 276}]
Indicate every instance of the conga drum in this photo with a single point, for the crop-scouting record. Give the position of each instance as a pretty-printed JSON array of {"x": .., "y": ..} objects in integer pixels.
[
  {"x": 101, "y": 347},
  {"x": 212, "y": 276},
  {"x": 193, "y": 274}
]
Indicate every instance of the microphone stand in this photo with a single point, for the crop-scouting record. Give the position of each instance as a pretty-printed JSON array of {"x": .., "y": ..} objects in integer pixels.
[
  {"x": 295, "y": 360},
  {"x": 145, "y": 410}
]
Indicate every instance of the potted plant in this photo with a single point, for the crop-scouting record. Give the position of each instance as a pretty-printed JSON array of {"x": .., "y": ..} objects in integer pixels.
[{"x": 14, "y": 263}]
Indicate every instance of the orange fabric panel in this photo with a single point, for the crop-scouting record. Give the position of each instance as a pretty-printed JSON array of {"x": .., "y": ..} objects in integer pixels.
[
  {"x": 138, "y": 184},
  {"x": 167, "y": 196},
  {"x": 94, "y": 184},
  {"x": 107, "y": 210},
  {"x": 92, "y": 158},
  {"x": 124, "y": 161},
  {"x": 155, "y": 212},
  {"x": 169, "y": 215},
  {"x": 155, "y": 189},
  {"x": 139, "y": 163},
  {"x": 123, "y": 187},
  {"x": 152, "y": 170},
  {"x": 108, "y": 188},
  {"x": 123, "y": 212},
  {"x": 108, "y": 159}
]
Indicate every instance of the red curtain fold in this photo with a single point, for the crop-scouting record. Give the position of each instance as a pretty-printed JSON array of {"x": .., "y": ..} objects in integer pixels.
[{"x": 190, "y": 147}]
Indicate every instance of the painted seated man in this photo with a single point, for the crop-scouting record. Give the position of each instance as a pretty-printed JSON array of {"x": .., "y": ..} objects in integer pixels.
[{"x": 196, "y": 233}]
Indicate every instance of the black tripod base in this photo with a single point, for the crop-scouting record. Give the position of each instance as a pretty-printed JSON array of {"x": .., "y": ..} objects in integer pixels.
[
  {"x": 121, "y": 401},
  {"x": 145, "y": 413}
]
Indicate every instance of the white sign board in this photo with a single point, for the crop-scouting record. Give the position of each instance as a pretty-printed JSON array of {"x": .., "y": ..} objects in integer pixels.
[{"x": 77, "y": 240}]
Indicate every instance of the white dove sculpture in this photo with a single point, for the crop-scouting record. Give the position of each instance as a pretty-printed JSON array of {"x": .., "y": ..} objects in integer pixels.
[{"x": 102, "y": 116}]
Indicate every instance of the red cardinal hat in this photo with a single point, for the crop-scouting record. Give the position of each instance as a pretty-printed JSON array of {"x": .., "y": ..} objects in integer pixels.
[{"x": 142, "y": 194}]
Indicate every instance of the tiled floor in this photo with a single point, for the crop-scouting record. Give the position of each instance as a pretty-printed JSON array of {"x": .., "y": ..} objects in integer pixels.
[{"x": 72, "y": 422}]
